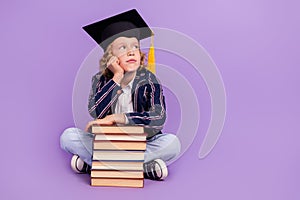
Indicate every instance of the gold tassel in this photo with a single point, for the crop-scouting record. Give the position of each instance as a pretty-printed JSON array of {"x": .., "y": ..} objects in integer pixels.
[{"x": 151, "y": 56}]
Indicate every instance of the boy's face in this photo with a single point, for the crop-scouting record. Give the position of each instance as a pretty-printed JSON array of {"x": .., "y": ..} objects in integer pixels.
[{"x": 127, "y": 50}]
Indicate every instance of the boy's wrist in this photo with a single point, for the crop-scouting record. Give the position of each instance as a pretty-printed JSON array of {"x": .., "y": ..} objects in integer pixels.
[
  {"x": 120, "y": 118},
  {"x": 118, "y": 77}
]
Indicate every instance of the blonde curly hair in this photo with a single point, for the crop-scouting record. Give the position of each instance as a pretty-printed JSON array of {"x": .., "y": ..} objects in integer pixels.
[{"x": 107, "y": 55}]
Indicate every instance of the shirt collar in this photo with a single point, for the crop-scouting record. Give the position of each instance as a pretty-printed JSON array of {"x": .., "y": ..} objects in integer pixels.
[{"x": 127, "y": 89}]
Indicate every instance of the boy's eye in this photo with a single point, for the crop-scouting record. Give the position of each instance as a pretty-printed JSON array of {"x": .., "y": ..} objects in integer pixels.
[
  {"x": 136, "y": 46},
  {"x": 122, "y": 48}
]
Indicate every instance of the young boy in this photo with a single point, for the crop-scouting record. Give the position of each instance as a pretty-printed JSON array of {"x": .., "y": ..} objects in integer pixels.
[{"x": 124, "y": 92}]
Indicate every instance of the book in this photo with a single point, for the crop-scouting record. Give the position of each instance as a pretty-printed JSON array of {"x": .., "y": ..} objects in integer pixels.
[
  {"x": 117, "y": 182},
  {"x": 117, "y": 174},
  {"x": 119, "y": 145},
  {"x": 118, "y": 155},
  {"x": 121, "y": 137},
  {"x": 116, "y": 165},
  {"x": 117, "y": 129}
]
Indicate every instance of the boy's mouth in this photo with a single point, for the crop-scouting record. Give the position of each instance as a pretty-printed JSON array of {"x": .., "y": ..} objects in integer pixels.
[{"x": 131, "y": 61}]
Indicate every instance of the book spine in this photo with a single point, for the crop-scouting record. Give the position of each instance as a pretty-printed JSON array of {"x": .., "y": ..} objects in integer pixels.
[
  {"x": 108, "y": 137},
  {"x": 119, "y": 145},
  {"x": 118, "y": 129},
  {"x": 117, "y": 174},
  {"x": 117, "y": 182}
]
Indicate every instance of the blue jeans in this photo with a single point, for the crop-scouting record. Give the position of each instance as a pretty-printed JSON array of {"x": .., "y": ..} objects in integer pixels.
[{"x": 76, "y": 141}]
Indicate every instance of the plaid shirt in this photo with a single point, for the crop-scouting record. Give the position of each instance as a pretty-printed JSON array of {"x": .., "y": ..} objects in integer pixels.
[{"x": 148, "y": 100}]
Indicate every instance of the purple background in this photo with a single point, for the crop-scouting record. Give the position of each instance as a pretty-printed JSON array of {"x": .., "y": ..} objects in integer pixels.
[{"x": 255, "y": 44}]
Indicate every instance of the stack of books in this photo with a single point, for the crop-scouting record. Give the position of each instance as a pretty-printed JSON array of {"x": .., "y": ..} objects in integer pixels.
[{"x": 118, "y": 156}]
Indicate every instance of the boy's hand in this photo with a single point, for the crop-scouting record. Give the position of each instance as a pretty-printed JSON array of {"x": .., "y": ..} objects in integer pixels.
[
  {"x": 103, "y": 121},
  {"x": 116, "y": 69},
  {"x": 108, "y": 120}
]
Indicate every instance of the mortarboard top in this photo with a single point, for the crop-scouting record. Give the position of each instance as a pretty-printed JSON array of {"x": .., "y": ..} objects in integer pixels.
[{"x": 127, "y": 24}]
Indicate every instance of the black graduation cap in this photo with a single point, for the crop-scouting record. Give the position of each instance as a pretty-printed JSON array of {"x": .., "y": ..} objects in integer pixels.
[{"x": 127, "y": 24}]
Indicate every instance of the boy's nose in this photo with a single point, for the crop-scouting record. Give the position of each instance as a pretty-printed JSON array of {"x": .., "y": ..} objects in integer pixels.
[{"x": 130, "y": 53}]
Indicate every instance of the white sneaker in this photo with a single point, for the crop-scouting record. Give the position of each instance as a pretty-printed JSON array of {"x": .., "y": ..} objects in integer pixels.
[
  {"x": 155, "y": 170},
  {"x": 79, "y": 166}
]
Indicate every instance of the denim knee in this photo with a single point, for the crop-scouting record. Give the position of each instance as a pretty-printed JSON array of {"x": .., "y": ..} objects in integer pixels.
[
  {"x": 175, "y": 145},
  {"x": 70, "y": 134}
]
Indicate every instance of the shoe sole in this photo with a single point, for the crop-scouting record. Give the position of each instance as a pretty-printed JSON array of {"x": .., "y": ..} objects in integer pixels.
[
  {"x": 73, "y": 164},
  {"x": 163, "y": 167}
]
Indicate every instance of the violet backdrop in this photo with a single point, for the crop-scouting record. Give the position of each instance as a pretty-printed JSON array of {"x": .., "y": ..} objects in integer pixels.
[{"x": 255, "y": 45}]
